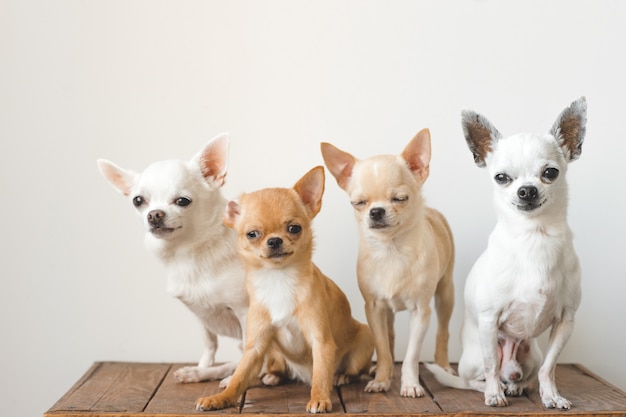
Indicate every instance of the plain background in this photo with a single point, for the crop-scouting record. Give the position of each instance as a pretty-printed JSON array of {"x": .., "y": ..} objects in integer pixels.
[{"x": 139, "y": 81}]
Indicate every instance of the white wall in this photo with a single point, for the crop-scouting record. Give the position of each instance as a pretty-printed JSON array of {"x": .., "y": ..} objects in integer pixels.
[{"x": 141, "y": 81}]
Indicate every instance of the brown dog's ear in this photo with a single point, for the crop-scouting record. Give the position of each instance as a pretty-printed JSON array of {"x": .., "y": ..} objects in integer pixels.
[
  {"x": 310, "y": 188},
  {"x": 338, "y": 162},
  {"x": 232, "y": 211},
  {"x": 417, "y": 155},
  {"x": 480, "y": 135},
  {"x": 213, "y": 159},
  {"x": 569, "y": 129},
  {"x": 123, "y": 180}
]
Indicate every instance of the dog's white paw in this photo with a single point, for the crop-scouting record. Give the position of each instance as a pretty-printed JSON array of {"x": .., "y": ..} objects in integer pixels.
[
  {"x": 412, "y": 390},
  {"x": 377, "y": 386},
  {"x": 513, "y": 390},
  {"x": 557, "y": 402},
  {"x": 270, "y": 379},
  {"x": 496, "y": 400},
  {"x": 187, "y": 374}
]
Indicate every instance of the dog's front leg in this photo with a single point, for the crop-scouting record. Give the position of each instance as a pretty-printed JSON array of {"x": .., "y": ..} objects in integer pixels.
[
  {"x": 258, "y": 339},
  {"x": 488, "y": 334},
  {"x": 418, "y": 325},
  {"x": 324, "y": 350},
  {"x": 210, "y": 347},
  {"x": 559, "y": 335},
  {"x": 201, "y": 372},
  {"x": 377, "y": 317}
]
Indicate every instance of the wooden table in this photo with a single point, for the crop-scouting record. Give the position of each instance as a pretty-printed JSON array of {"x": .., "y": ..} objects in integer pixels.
[{"x": 149, "y": 389}]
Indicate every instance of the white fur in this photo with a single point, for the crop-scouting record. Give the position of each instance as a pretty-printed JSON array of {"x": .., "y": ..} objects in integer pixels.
[
  {"x": 275, "y": 289},
  {"x": 199, "y": 256},
  {"x": 528, "y": 278}
]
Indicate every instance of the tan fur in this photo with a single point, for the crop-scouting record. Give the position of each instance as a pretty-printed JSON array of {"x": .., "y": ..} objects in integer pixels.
[
  {"x": 406, "y": 257},
  {"x": 294, "y": 308}
]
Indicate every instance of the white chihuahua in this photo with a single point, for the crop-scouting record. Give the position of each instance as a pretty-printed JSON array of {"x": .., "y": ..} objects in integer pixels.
[
  {"x": 182, "y": 206},
  {"x": 528, "y": 279}
]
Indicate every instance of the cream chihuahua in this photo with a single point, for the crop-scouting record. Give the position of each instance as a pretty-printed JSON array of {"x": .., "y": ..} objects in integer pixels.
[
  {"x": 528, "y": 278},
  {"x": 181, "y": 207},
  {"x": 294, "y": 308},
  {"x": 406, "y": 254}
]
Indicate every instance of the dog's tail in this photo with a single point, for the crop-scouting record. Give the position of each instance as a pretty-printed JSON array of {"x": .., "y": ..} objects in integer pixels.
[{"x": 453, "y": 381}]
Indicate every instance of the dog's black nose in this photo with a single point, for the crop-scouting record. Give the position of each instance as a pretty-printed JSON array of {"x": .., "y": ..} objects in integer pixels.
[
  {"x": 274, "y": 242},
  {"x": 527, "y": 193},
  {"x": 156, "y": 217},
  {"x": 377, "y": 213}
]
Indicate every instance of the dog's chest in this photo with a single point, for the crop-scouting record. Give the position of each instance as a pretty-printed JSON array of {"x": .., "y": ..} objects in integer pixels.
[
  {"x": 394, "y": 276},
  {"x": 534, "y": 286},
  {"x": 276, "y": 291}
]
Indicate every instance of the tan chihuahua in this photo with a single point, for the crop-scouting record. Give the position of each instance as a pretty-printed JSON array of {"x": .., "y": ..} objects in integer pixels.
[
  {"x": 406, "y": 254},
  {"x": 294, "y": 308}
]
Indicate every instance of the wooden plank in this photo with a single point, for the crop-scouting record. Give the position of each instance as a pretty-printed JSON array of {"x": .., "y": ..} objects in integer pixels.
[
  {"x": 455, "y": 401},
  {"x": 586, "y": 392},
  {"x": 149, "y": 390},
  {"x": 357, "y": 401},
  {"x": 67, "y": 401},
  {"x": 290, "y": 398},
  {"x": 173, "y": 398},
  {"x": 114, "y": 387}
]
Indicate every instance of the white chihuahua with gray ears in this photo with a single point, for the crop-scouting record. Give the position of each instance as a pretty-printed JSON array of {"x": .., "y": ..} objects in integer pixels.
[
  {"x": 181, "y": 205},
  {"x": 528, "y": 278}
]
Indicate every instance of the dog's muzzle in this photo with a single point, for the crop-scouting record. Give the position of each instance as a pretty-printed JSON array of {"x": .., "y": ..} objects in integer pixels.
[
  {"x": 156, "y": 220},
  {"x": 528, "y": 196},
  {"x": 275, "y": 248},
  {"x": 377, "y": 218}
]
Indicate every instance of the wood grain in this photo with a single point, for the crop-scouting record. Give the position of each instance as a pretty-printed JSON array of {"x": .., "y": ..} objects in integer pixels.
[{"x": 114, "y": 389}]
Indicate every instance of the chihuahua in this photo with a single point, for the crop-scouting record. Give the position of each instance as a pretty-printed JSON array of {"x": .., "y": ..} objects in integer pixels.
[
  {"x": 181, "y": 207},
  {"x": 406, "y": 254},
  {"x": 528, "y": 278},
  {"x": 294, "y": 308}
]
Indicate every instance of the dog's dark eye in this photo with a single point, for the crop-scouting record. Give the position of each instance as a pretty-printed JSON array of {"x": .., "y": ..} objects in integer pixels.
[
  {"x": 400, "y": 199},
  {"x": 294, "y": 229},
  {"x": 550, "y": 174},
  {"x": 138, "y": 201},
  {"x": 253, "y": 234},
  {"x": 182, "y": 201},
  {"x": 503, "y": 179}
]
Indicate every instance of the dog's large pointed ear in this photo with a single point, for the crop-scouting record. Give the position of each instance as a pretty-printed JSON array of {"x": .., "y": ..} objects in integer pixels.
[
  {"x": 480, "y": 135},
  {"x": 339, "y": 163},
  {"x": 310, "y": 188},
  {"x": 122, "y": 179},
  {"x": 417, "y": 155},
  {"x": 213, "y": 159},
  {"x": 231, "y": 212},
  {"x": 570, "y": 127}
]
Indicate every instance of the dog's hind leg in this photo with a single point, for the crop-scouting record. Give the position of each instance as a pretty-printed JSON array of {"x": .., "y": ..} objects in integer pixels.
[
  {"x": 358, "y": 359},
  {"x": 444, "y": 304}
]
